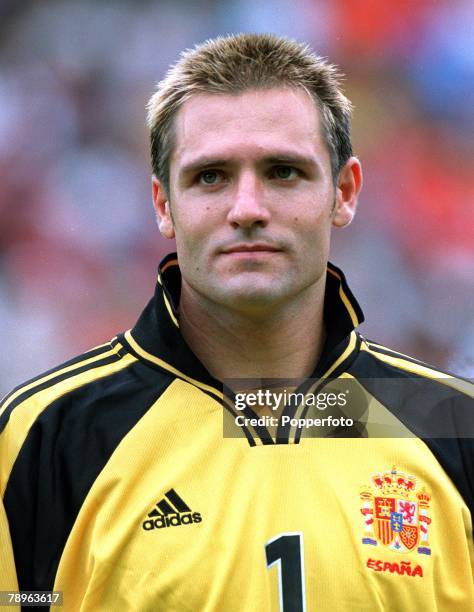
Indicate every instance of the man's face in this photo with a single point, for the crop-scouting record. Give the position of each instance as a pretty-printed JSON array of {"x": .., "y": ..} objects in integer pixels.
[{"x": 252, "y": 198}]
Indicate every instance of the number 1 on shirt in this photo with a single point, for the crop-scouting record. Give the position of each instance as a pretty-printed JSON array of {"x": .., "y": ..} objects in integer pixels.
[{"x": 286, "y": 549}]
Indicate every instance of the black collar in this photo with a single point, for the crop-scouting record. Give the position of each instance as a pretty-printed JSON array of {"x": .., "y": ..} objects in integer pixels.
[{"x": 156, "y": 337}]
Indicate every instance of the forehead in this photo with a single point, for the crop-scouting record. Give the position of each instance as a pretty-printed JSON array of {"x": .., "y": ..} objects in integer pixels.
[{"x": 246, "y": 124}]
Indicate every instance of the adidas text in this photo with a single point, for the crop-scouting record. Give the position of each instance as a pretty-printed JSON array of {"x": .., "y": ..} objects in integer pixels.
[{"x": 172, "y": 521}]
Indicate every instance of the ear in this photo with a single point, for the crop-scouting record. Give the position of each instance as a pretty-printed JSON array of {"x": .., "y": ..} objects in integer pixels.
[
  {"x": 349, "y": 184},
  {"x": 162, "y": 208}
]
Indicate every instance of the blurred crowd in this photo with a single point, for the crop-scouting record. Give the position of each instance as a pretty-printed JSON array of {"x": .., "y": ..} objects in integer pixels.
[{"x": 78, "y": 240}]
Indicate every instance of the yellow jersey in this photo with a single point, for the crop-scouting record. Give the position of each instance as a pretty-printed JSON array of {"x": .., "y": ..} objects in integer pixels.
[{"x": 121, "y": 488}]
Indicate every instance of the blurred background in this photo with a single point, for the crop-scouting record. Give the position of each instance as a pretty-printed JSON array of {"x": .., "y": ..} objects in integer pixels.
[{"x": 78, "y": 241}]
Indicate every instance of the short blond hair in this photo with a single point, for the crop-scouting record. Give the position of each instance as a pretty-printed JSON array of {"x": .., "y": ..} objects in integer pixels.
[{"x": 238, "y": 63}]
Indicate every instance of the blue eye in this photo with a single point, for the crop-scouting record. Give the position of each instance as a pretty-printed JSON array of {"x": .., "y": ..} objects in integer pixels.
[{"x": 284, "y": 173}]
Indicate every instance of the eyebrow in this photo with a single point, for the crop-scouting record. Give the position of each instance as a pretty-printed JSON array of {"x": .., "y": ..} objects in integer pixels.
[
  {"x": 278, "y": 158},
  {"x": 202, "y": 164},
  {"x": 291, "y": 158}
]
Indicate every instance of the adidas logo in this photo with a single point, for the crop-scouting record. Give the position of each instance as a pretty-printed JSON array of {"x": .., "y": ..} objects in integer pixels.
[{"x": 171, "y": 511}]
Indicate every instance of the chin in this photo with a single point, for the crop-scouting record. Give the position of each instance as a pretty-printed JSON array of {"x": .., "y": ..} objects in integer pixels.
[{"x": 253, "y": 297}]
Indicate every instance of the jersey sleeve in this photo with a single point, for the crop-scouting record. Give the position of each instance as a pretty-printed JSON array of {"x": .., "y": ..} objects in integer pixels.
[{"x": 8, "y": 579}]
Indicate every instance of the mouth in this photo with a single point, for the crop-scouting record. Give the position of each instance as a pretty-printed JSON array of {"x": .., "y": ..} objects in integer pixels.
[{"x": 249, "y": 249}]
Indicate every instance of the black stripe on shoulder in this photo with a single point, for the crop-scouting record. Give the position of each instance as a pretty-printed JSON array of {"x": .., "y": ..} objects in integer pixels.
[
  {"x": 390, "y": 353},
  {"x": 64, "y": 452},
  {"x": 87, "y": 355},
  {"x": 5, "y": 416},
  {"x": 437, "y": 414},
  {"x": 386, "y": 351}
]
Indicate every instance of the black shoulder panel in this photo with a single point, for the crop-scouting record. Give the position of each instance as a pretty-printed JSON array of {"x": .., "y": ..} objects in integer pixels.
[
  {"x": 64, "y": 452},
  {"x": 45, "y": 381},
  {"x": 99, "y": 350},
  {"x": 436, "y": 413}
]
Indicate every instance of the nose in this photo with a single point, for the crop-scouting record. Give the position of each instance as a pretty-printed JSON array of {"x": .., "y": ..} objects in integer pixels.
[{"x": 248, "y": 208}]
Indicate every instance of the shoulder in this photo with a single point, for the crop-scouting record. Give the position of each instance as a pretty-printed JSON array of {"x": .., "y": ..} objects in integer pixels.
[
  {"x": 58, "y": 431},
  {"x": 433, "y": 404},
  {"x": 86, "y": 405},
  {"x": 92, "y": 386},
  {"x": 98, "y": 362},
  {"x": 376, "y": 360},
  {"x": 436, "y": 406}
]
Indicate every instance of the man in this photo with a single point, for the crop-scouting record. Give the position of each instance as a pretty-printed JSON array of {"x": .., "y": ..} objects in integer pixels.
[{"x": 119, "y": 487}]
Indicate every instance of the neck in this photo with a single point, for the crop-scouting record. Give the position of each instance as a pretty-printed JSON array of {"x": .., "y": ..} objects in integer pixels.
[{"x": 284, "y": 343}]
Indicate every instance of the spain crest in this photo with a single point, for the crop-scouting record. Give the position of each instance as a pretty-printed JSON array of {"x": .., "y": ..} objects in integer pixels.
[{"x": 396, "y": 513}]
